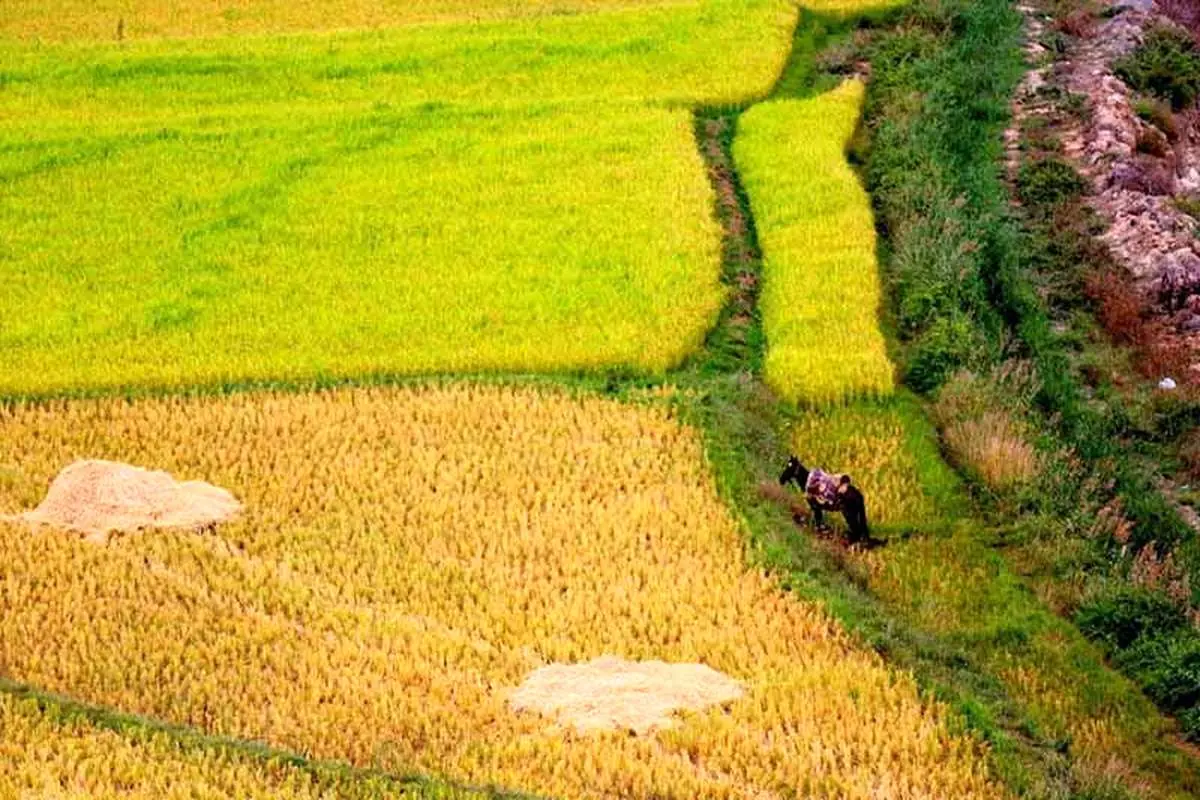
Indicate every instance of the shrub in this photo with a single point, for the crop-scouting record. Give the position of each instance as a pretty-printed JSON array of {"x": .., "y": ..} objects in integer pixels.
[
  {"x": 1168, "y": 668},
  {"x": 1120, "y": 616},
  {"x": 1146, "y": 175},
  {"x": 1118, "y": 305},
  {"x": 1189, "y": 720},
  {"x": 1167, "y": 64},
  {"x": 950, "y": 343},
  {"x": 1189, "y": 454},
  {"x": 1049, "y": 181},
  {"x": 1187, "y": 204},
  {"x": 1077, "y": 23},
  {"x": 1158, "y": 113},
  {"x": 1153, "y": 142}
]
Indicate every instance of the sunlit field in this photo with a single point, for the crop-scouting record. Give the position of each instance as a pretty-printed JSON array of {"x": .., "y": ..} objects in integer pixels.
[
  {"x": 521, "y": 195},
  {"x": 48, "y": 750},
  {"x": 821, "y": 292},
  {"x": 119, "y": 20},
  {"x": 658, "y": 55},
  {"x": 419, "y": 242},
  {"x": 408, "y": 556}
]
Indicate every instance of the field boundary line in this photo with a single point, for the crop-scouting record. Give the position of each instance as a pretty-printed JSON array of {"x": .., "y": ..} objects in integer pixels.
[{"x": 125, "y": 723}]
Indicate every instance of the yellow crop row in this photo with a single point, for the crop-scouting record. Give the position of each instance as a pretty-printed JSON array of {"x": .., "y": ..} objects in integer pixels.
[
  {"x": 139, "y": 19},
  {"x": 408, "y": 556},
  {"x": 849, "y": 7},
  {"x": 46, "y": 754},
  {"x": 821, "y": 292}
]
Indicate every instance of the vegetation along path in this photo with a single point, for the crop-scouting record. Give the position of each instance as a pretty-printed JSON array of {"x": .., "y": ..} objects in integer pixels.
[{"x": 939, "y": 599}]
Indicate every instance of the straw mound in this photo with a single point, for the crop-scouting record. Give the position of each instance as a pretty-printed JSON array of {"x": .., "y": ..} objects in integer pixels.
[
  {"x": 611, "y": 693},
  {"x": 98, "y": 498}
]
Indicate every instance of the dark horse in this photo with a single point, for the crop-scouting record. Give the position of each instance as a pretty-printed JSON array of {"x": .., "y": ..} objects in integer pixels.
[{"x": 826, "y": 492}]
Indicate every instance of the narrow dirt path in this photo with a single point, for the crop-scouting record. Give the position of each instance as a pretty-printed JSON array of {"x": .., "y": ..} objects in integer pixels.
[{"x": 735, "y": 343}]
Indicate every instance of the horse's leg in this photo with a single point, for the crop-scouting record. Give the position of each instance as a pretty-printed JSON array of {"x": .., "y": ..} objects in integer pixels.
[{"x": 818, "y": 516}]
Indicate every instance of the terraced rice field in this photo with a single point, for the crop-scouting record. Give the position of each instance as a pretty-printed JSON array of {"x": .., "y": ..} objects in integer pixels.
[
  {"x": 217, "y": 193},
  {"x": 821, "y": 293},
  {"x": 408, "y": 556},
  {"x": 50, "y": 751},
  {"x": 217, "y": 255},
  {"x": 80, "y": 20},
  {"x": 503, "y": 196}
]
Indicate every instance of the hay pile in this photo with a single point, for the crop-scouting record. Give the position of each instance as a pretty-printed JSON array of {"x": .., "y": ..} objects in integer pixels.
[
  {"x": 611, "y": 693},
  {"x": 98, "y": 498}
]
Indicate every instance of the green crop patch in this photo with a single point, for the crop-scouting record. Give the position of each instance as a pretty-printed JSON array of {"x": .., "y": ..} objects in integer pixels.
[
  {"x": 503, "y": 196},
  {"x": 424, "y": 242},
  {"x": 87, "y": 20},
  {"x": 821, "y": 293}
]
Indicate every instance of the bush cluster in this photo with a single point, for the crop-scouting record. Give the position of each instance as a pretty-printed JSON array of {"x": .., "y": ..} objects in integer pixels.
[
  {"x": 978, "y": 285},
  {"x": 1152, "y": 639},
  {"x": 1167, "y": 64}
]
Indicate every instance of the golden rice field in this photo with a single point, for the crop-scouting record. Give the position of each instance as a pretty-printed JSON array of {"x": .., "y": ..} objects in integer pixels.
[
  {"x": 821, "y": 293},
  {"x": 48, "y": 754},
  {"x": 408, "y": 556}
]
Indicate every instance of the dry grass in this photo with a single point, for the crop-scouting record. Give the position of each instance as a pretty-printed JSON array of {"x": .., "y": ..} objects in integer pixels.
[
  {"x": 406, "y": 558},
  {"x": 981, "y": 430},
  {"x": 994, "y": 447}
]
